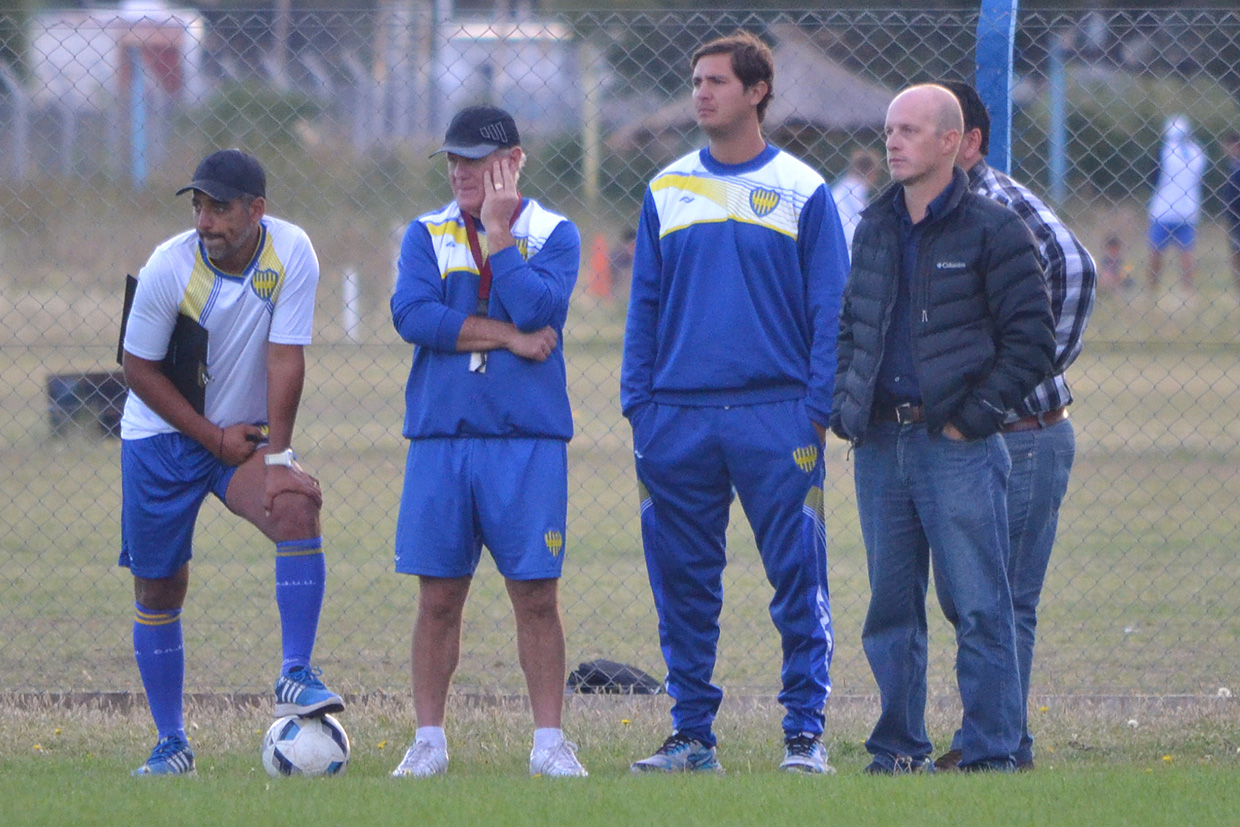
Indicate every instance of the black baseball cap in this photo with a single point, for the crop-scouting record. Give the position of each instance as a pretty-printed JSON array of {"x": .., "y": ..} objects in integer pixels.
[
  {"x": 228, "y": 174},
  {"x": 477, "y": 131}
]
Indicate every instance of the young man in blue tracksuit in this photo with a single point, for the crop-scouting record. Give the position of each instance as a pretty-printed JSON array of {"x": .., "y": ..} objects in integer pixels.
[{"x": 729, "y": 362}]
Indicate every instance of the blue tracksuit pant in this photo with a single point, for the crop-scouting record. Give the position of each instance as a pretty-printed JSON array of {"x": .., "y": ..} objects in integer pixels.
[{"x": 689, "y": 460}]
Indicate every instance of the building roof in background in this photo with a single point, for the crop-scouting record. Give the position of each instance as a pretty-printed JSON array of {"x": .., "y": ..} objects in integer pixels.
[{"x": 811, "y": 90}]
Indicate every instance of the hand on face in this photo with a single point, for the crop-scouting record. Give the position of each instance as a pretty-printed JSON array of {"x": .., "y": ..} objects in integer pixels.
[{"x": 500, "y": 198}]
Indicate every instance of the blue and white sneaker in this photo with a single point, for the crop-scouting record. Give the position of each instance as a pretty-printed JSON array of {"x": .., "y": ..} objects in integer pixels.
[
  {"x": 171, "y": 756},
  {"x": 680, "y": 753},
  {"x": 300, "y": 692},
  {"x": 804, "y": 752}
]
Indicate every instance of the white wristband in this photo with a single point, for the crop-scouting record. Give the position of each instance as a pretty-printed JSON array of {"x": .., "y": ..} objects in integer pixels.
[{"x": 285, "y": 458}]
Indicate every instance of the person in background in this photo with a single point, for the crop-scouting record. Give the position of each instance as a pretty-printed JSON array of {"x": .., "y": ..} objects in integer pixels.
[
  {"x": 1176, "y": 205},
  {"x": 852, "y": 191},
  {"x": 1040, "y": 438},
  {"x": 1230, "y": 195},
  {"x": 1114, "y": 271},
  {"x": 620, "y": 260}
]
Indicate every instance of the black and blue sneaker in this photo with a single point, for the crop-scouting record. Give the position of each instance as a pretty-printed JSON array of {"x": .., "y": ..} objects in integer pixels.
[
  {"x": 680, "y": 753},
  {"x": 804, "y": 752}
]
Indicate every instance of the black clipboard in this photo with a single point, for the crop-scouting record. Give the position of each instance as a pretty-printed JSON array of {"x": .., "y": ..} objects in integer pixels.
[{"x": 185, "y": 363}]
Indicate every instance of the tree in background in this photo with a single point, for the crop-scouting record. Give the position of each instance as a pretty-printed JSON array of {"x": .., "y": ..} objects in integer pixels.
[{"x": 13, "y": 14}]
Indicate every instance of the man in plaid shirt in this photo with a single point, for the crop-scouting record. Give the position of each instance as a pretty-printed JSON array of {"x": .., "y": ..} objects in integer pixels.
[{"x": 1038, "y": 434}]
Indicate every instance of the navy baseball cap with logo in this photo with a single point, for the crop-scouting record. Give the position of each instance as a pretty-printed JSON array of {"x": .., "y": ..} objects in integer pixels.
[
  {"x": 477, "y": 131},
  {"x": 228, "y": 174}
]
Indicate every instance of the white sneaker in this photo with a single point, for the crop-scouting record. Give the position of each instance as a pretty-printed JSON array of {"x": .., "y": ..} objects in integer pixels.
[
  {"x": 422, "y": 760},
  {"x": 559, "y": 761}
]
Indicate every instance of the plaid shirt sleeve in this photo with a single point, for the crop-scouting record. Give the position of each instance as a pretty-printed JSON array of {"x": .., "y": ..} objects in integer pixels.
[{"x": 1070, "y": 274}]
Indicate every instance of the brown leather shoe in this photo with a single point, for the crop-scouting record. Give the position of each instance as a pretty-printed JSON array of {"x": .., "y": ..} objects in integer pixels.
[{"x": 948, "y": 761}]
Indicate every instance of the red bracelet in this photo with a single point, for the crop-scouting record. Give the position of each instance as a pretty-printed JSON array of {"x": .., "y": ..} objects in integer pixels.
[{"x": 221, "y": 453}]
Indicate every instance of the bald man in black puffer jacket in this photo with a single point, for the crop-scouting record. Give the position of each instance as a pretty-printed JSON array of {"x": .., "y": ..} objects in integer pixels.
[
  {"x": 946, "y": 324},
  {"x": 981, "y": 328}
]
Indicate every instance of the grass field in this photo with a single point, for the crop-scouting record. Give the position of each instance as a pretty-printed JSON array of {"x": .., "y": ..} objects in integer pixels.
[
  {"x": 1140, "y": 597},
  {"x": 1139, "y": 638},
  {"x": 1144, "y": 762}
]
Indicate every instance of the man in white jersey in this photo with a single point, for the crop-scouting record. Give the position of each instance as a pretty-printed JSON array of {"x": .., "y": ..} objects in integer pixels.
[{"x": 249, "y": 280}]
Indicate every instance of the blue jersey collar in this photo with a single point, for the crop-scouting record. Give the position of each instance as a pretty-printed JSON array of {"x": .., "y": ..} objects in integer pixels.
[{"x": 757, "y": 162}]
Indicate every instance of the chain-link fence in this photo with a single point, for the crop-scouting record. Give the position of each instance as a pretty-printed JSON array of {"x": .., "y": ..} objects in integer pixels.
[{"x": 103, "y": 114}]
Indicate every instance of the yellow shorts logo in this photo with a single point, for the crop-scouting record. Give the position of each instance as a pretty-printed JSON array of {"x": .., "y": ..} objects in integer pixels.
[
  {"x": 763, "y": 202},
  {"x": 806, "y": 458},
  {"x": 555, "y": 542}
]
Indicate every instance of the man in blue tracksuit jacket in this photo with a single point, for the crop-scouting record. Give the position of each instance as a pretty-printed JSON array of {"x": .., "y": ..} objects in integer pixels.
[
  {"x": 482, "y": 292},
  {"x": 729, "y": 361}
]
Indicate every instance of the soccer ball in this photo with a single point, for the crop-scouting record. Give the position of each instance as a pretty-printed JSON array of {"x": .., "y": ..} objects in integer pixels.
[{"x": 305, "y": 746}]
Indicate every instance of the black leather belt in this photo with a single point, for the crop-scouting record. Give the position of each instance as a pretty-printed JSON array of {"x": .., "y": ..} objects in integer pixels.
[{"x": 905, "y": 414}]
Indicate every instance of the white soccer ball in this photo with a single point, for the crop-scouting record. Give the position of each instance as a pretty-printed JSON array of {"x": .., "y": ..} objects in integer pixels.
[{"x": 305, "y": 746}]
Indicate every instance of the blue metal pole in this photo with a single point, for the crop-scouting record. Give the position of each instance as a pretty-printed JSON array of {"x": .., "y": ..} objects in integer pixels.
[
  {"x": 1059, "y": 122},
  {"x": 996, "y": 34},
  {"x": 137, "y": 120}
]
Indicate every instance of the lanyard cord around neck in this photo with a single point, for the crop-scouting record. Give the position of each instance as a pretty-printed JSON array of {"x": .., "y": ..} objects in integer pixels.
[{"x": 484, "y": 266}]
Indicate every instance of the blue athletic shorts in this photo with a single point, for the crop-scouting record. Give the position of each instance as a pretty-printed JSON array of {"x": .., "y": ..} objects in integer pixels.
[
  {"x": 1163, "y": 233},
  {"x": 510, "y": 495},
  {"x": 164, "y": 479}
]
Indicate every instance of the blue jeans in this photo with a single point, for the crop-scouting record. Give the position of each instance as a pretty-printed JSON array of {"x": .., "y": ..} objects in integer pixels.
[
  {"x": 1041, "y": 463},
  {"x": 924, "y": 498}
]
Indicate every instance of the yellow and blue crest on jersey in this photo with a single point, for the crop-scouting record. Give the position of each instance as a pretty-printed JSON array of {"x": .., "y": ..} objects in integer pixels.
[
  {"x": 264, "y": 283},
  {"x": 763, "y": 201},
  {"x": 806, "y": 457},
  {"x": 554, "y": 541},
  {"x": 265, "y": 279}
]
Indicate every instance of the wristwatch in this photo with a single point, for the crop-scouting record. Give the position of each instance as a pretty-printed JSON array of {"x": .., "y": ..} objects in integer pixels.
[{"x": 285, "y": 458}]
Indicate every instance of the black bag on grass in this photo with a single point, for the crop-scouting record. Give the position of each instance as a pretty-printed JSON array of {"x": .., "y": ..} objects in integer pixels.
[{"x": 606, "y": 677}]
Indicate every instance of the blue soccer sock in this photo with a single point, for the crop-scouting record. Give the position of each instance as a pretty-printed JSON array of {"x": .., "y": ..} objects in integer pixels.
[
  {"x": 159, "y": 648},
  {"x": 301, "y": 575}
]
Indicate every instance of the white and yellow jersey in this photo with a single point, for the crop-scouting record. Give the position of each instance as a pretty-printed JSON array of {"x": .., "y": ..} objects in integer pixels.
[
  {"x": 737, "y": 276},
  {"x": 770, "y": 196},
  {"x": 273, "y": 301}
]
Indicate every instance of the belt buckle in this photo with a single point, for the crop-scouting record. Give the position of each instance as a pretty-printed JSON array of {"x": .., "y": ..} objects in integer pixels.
[{"x": 905, "y": 415}]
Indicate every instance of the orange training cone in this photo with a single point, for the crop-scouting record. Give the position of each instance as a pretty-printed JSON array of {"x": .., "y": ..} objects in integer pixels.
[{"x": 600, "y": 269}]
